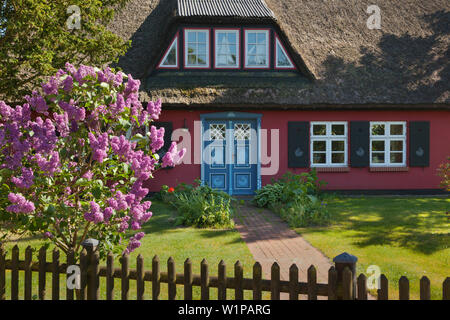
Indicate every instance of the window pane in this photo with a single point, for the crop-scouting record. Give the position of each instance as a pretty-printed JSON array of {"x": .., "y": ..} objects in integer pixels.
[
  {"x": 222, "y": 60},
  {"x": 251, "y": 37},
  {"x": 221, "y": 37},
  {"x": 171, "y": 58},
  {"x": 261, "y": 49},
  {"x": 242, "y": 131},
  {"x": 202, "y": 59},
  {"x": 251, "y": 60},
  {"x": 192, "y": 36},
  {"x": 282, "y": 60},
  {"x": 378, "y": 130},
  {"x": 338, "y": 129},
  {"x": 262, "y": 38},
  {"x": 191, "y": 48},
  {"x": 192, "y": 59},
  {"x": 319, "y": 145},
  {"x": 261, "y": 60},
  {"x": 202, "y": 37},
  {"x": 396, "y": 145},
  {"x": 202, "y": 48},
  {"x": 396, "y": 157},
  {"x": 251, "y": 49},
  {"x": 319, "y": 158},
  {"x": 221, "y": 49},
  {"x": 397, "y": 129},
  {"x": 231, "y": 37},
  {"x": 337, "y": 157},
  {"x": 319, "y": 130},
  {"x": 217, "y": 131},
  {"x": 377, "y": 145},
  {"x": 377, "y": 157},
  {"x": 337, "y": 145}
]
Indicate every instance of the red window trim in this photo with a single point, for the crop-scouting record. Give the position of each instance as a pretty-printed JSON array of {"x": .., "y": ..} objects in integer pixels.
[
  {"x": 285, "y": 51},
  {"x": 389, "y": 169},
  {"x": 176, "y": 38},
  {"x": 245, "y": 49},
  {"x": 238, "y": 50},
  {"x": 332, "y": 169},
  {"x": 184, "y": 49}
]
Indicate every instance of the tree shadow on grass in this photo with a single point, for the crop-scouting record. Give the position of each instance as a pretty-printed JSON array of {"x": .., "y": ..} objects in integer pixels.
[
  {"x": 23, "y": 239},
  {"x": 420, "y": 225},
  {"x": 163, "y": 222}
]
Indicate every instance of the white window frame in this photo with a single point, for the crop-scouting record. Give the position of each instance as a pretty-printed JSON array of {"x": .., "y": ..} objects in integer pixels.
[
  {"x": 186, "y": 53},
  {"x": 238, "y": 48},
  {"x": 387, "y": 138},
  {"x": 328, "y": 138},
  {"x": 291, "y": 64},
  {"x": 174, "y": 43},
  {"x": 262, "y": 31}
]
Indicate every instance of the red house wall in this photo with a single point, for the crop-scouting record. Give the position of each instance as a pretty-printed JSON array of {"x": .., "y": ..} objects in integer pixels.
[{"x": 356, "y": 178}]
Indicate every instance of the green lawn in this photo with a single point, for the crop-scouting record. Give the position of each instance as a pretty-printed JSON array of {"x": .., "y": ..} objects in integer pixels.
[
  {"x": 165, "y": 240},
  {"x": 403, "y": 236},
  {"x": 407, "y": 236}
]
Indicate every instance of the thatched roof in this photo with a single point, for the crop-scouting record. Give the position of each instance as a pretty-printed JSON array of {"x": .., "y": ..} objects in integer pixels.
[{"x": 407, "y": 62}]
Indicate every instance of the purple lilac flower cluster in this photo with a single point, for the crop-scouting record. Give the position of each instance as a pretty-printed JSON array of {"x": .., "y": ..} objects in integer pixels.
[
  {"x": 173, "y": 156},
  {"x": 31, "y": 147},
  {"x": 134, "y": 242},
  {"x": 19, "y": 204}
]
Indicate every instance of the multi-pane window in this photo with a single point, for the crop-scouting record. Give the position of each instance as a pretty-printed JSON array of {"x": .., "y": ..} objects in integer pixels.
[
  {"x": 196, "y": 48},
  {"x": 257, "y": 48},
  {"x": 328, "y": 144},
  {"x": 227, "y": 48},
  {"x": 387, "y": 143}
]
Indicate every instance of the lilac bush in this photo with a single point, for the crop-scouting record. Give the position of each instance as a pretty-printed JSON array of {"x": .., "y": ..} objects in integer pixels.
[{"x": 74, "y": 159}]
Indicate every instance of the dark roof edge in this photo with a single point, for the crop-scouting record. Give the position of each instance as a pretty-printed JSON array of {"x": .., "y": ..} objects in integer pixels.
[{"x": 273, "y": 106}]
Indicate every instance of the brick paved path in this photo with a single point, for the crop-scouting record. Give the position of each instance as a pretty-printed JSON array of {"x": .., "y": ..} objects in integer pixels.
[{"x": 270, "y": 239}]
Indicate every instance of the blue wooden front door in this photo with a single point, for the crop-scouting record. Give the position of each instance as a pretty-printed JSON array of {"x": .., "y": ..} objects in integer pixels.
[{"x": 230, "y": 155}]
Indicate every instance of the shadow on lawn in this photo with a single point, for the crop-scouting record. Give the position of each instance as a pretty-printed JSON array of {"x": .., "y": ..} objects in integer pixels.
[
  {"x": 416, "y": 224},
  {"x": 163, "y": 222},
  {"x": 23, "y": 239}
]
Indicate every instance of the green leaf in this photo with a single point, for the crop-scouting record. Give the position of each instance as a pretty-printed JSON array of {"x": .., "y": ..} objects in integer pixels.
[
  {"x": 97, "y": 192},
  {"x": 137, "y": 121},
  {"x": 50, "y": 210}
]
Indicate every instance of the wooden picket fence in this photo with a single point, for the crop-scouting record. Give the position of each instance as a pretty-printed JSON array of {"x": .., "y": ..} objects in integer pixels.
[{"x": 342, "y": 283}]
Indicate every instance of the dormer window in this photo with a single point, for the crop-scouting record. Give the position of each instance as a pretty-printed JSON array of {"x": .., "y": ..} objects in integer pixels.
[
  {"x": 196, "y": 44},
  {"x": 257, "y": 49},
  {"x": 227, "y": 48},
  {"x": 231, "y": 48}
]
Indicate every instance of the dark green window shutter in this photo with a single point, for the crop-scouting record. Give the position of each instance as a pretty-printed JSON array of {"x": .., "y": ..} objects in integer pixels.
[
  {"x": 298, "y": 144},
  {"x": 419, "y": 143},
  {"x": 168, "y": 129},
  {"x": 359, "y": 144}
]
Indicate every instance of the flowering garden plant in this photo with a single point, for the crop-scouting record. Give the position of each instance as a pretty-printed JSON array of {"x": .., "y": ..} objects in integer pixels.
[{"x": 74, "y": 159}]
